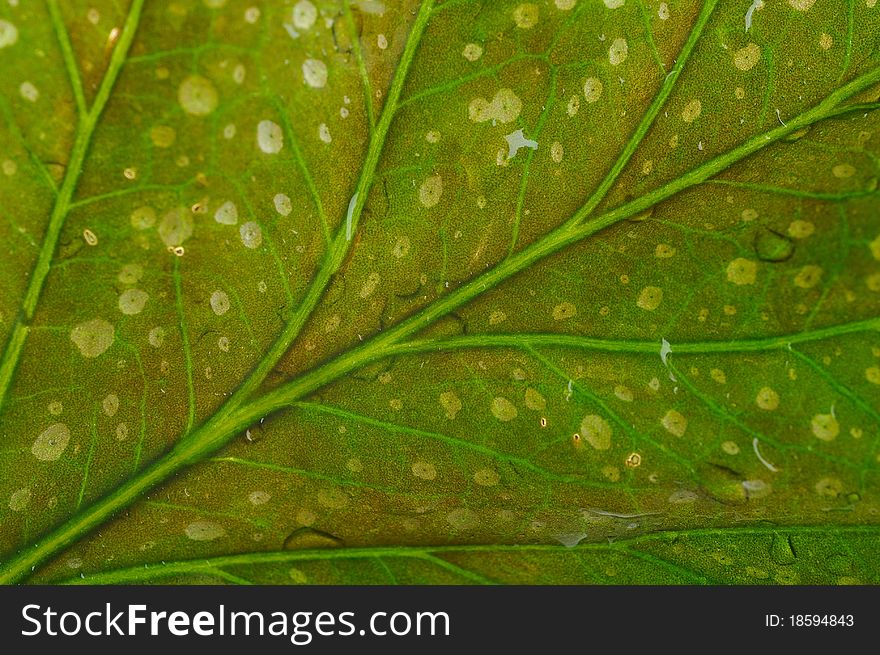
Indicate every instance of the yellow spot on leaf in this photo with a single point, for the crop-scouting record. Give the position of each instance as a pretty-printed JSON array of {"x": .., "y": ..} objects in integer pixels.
[
  {"x": 746, "y": 58},
  {"x": 742, "y": 271},
  {"x": 596, "y": 432},
  {"x": 431, "y": 190},
  {"x": 825, "y": 427},
  {"x": 564, "y": 311},
  {"x": 650, "y": 298},
  {"x": 692, "y": 111},
  {"x": 503, "y": 409},
  {"x": 767, "y": 399},
  {"x": 424, "y": 470},
  {"x": 674, "y": 422},
  {"x": 808, "y": 277}
]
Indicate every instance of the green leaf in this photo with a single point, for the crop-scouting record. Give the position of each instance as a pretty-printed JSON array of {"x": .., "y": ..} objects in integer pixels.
[{"x": 469, "y": 291}]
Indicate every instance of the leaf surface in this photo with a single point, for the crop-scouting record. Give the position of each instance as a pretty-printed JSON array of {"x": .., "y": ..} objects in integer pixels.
[{"x": 371, "y": 292}]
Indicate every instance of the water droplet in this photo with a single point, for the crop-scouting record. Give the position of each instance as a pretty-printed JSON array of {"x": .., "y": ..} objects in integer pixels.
[
  {"x": 307, "y": 538},
  {"x": 254, "y": 433},
  {"x": 771, "y": 246},
  {"x": 782, "y": 550}
]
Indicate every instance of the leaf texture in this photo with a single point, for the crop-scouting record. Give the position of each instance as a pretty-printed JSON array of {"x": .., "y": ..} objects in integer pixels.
[{"x": 338, "y": 291}]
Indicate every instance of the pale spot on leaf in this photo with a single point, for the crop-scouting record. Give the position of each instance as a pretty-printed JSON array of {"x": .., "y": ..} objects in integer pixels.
[
  {"x": 472, "y": 52},
  {"x": 486, "y": 478},
  {"x": 251, "y": 235},
  {"x": 742, "y": 271},
  {"x": 424, "y": 470},
  {"x": 283, "y": 204},
  {"x": 563, "y": 311},
  {"x": 692, "y": 111},
  {"x": 746, "y": 58},
  {"x": 110, "y": 404},
  {"x": 20, "y": 499},
  {"x": 219, "y": 302},
  {"x": 258, "y": 498},
  {"x": 370, "y": 285},
  {"x": 650, "y": 298},
  {"x": 767, "y": 399},
  {"x": 592, "y": 89},
  {"x": 808, "y": 277},
  {"x": 504, "y": 108},
  {"x": 503, "y": 409},
  {"x": 526, "y": 15},
  {"x": 623, "y": 393},
  {"x": 829, "y": 487},
  {"x": 204, "y": 531},
  {"x": 29, "y": 92},
  {"x": 730, "y": 447},
  {"x": 270, "y": 138},
  {"x": 799, "y": 229},
  {"x": 8, "y": 34},
  {"x": 93, "y": 337},
  {"x": 674, "y": 422},
  {"x": 176, "y": 227},
  {"x": 825, "y": 427},
  {"x": 130, "y": 274},
  {"x": 496, "y": 316},
  {"x": 843, "y": 171},
  {"x": 227, "y": 213},
  {"x": 534, "y": 400},
  {"x": 401, "y": 247},
  {"x": 618, "y": 51},
  {"x": 51, "y": 443},
  {"x": 462, "y": 518},
  {"x": 431, "y": 190},
  {"x": 197, "y": 95},
  {"x": 304, "y": 14},
  {"x": 451, "y": 404},
  {"x": 314, "y": 73},
  {"x": 163, "y": 136},
  {"x": 875, "y": 248},
  {"x": 596, "y": 431},
  {"x": 156, "y": 337},
  {"x": 132, "y": 301},
  {"x": 143, "y": 218}
]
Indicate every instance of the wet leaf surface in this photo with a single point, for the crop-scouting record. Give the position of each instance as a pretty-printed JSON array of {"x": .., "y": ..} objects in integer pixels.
[{"x": 569, "y": 291}]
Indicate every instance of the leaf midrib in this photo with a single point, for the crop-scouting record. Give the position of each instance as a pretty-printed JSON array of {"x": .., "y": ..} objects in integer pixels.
[
  {"x": 87, "y": 122},
  {"x": 779, "y": 342},
  {"x": 568, "y": 234},
  {"x": 433, "y": 553},
  {"x": 241, "y": 410}
]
